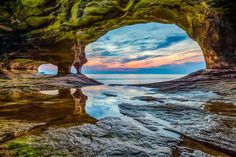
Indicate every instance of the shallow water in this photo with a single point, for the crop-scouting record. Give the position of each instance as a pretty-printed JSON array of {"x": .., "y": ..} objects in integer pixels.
[
  {"x": 133, "y": 78},
  {"x": 119, "y": 121}
]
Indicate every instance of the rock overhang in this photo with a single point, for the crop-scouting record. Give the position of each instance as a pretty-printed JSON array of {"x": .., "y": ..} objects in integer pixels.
[{"x": 58, "y": 31}]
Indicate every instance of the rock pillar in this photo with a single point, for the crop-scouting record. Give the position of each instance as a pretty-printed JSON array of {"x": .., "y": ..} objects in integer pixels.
[
  {"x": 80, "y": 57},
  {"x": 64, "y": 69},
  {"x": 80, "y": 102}
]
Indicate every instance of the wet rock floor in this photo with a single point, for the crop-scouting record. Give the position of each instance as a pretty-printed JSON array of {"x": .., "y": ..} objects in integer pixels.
[{"x": 116, "y": 121}]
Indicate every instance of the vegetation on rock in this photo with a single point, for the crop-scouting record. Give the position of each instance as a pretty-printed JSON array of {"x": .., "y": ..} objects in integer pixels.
[{"x": 44, "y": 26}]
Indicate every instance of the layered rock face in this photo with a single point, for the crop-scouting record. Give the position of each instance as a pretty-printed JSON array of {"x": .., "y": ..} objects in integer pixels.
[{"x": 57, "y": 31}]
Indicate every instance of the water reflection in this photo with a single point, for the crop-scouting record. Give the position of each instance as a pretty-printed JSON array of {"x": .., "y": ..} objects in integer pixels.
[
  {"x": 27, "y": 111},
  {"x": 56, "y": 106}
]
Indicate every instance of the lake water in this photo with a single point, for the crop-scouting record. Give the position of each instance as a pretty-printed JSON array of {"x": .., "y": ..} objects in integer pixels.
[{"x": 133, "y": 78}]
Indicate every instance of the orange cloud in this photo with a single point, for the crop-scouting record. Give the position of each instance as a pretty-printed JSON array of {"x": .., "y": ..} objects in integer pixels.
[{"x": 175, "y": 58}]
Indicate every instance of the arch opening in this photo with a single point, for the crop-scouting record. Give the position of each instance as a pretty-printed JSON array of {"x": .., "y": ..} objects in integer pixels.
[
  {"x": 51, "y": 69},
  {"x": 48, "y": 69},
  {"x": 147, "y": 48}
]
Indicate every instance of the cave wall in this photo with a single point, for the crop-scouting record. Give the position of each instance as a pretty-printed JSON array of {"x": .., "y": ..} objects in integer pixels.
[{"x": 57, "y": 31}]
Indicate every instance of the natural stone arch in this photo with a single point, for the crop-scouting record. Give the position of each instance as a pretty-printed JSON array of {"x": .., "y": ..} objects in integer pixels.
[
  {"x": 51, "y": 69},
  {"x": 59, "y": 30},
  {"x": 43, "y": 69}
]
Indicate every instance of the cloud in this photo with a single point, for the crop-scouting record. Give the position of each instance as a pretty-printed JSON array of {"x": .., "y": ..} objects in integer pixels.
[
  {"x": 143, "y": 46},
  {"x": 108, "y": 53},
  {"x": 184, "y": 68},
  {"x": 139, "y": 58},
  {"x": 171, "y": 40}
]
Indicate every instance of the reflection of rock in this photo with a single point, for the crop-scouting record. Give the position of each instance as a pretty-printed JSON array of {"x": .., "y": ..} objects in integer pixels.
[
  {"x": 36, "y": 107},
  {"x": 80, "y": 102},
  {"x": 62, "y": 110}
]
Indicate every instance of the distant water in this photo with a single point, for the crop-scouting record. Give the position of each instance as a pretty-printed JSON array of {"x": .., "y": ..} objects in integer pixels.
[{"x": 133, "y": 78}]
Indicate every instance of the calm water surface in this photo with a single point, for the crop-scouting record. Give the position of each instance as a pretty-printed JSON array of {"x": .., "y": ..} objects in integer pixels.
[{"x": 133, "y": 78}]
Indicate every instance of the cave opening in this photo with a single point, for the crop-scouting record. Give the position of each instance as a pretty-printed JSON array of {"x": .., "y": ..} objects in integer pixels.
[
  {"x": 138, "y": 53},
  {"x": 132, "y": 51},
  {"x": 48, "y": 69},
  {"x": 51, "y": 69}
]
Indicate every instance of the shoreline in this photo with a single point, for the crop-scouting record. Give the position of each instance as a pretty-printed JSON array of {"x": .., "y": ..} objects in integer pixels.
[{"x": 222, "y": 81}]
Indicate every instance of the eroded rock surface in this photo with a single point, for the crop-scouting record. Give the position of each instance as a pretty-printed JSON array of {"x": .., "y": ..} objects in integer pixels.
[
  {"x": 221, "y": 81},
  {"x": 28, "y": 80},
  {"x": 58, "y": 31}
]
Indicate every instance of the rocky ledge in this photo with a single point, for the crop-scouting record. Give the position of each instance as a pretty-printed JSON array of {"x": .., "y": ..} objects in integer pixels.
[
  {"x": 222, "y": 81},
  {"x": 37, "y": 81}
]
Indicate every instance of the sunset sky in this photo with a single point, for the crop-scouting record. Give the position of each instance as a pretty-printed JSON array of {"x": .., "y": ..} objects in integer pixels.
[
  {"x": 144, "y": 48},
  {"x": 138, "y": 48}
]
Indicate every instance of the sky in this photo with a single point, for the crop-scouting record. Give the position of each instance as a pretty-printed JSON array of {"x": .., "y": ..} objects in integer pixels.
[
  {"x": 144, "y": 48},
  {"x": 150, "y": 48}
]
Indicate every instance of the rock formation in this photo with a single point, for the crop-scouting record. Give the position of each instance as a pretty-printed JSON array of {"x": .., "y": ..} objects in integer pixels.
[{"x": 57, "y": 31}]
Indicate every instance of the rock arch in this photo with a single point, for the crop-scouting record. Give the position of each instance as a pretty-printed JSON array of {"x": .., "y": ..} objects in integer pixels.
[
  {"x": 43, "y": 69},
  {"x": 58, "y": 31}
]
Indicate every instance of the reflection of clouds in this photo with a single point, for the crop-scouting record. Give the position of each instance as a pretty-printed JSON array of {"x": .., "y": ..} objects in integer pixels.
[
  {"x": 102, "y": 111},
  {"x": 100, "y": 106},
  {"x": 93, "y": 89},
  {"x": 151, "y": 45}
]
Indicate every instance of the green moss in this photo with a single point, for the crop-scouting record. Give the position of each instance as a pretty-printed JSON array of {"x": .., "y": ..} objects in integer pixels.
[
  {"x": 96, "y": 10},
  {"x": 26, "y": 11},
  {"x": 37, "y": 21},
  {"x": 21, "y": 147},
  {"x": 33, "y": 3},
  {"x": 75, "y": 10},
  {"x": 28, "y": 147},
  {"x": 4, "y": 15},
  {"x": 129, "y": 5}
]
